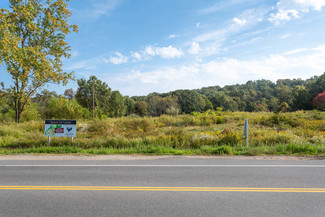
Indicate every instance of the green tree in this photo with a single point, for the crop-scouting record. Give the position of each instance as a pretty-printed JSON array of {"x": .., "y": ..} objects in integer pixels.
[
  {"x": 65, "y": 109},
  {"x": 101, "y": 91},
  {"x": 42, "y": 100},
  {"x": 6, "y": 111},
  {"x": 261, "y": 106},
  {"x": 31, "y": 113},
  {"x": 69, "y": 93},
  {"x": 172, "y": 106},
  {"x": 44, "y": 97},
  {"x": 284, "y": 107},
  {"x": 315, "y": 87},
  {"x": 273, "y": 104},
  {"x": 141, "y": 108},
  {"x": 130, "y": 105},
  {"x": 32, "y": 45},
  {"x": 284, "y": 94},
  {"x": 156, "y": 106},
  {"x": 117, "y": 107},
  {"x": 207, "y": 104},
  {"x": 229, "y": 104},
  {"x": 300, "y": 98},
  {"x": 189, "y": 101}
]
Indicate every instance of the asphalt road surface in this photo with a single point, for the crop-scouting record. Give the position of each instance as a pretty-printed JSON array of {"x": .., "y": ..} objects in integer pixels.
[{"x": 174, "y": 186}]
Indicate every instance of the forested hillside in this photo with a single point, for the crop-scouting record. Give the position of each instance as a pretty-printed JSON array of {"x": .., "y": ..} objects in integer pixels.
[{"x": 94, "y": 97}]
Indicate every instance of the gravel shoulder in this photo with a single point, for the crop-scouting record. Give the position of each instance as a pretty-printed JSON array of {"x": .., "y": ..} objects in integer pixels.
[{"x": 149, "y": 157}]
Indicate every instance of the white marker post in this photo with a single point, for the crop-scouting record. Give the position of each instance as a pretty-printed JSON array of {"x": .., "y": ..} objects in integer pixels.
[
  {"x": 60, "y": 128},
  {"x": 245, "y": 134}
]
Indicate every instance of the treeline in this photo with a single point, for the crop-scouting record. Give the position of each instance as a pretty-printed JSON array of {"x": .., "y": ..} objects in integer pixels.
[{"x": 95, "y": 98}]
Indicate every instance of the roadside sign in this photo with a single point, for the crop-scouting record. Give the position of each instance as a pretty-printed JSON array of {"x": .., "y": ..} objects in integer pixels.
[{"x": 60, "y": 128}]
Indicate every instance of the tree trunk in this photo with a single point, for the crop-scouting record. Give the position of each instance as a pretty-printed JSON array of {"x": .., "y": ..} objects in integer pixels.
[
  {"x": 18, "y": 110},
  {"x": 18, "y": 114}
]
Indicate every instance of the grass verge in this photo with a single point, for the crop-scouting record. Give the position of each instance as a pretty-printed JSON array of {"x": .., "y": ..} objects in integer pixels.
[{"x": 288, "y": 149}]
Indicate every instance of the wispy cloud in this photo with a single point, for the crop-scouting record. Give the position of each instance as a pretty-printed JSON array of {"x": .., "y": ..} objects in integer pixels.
[
  {"x": 295, "y": 51},
  {"x": 102, "y": 7},
  {"x": 287, "y": 10},
  {"x": 118, "y": 59},
  {"x": 240, "y": 21},
  {"x": 285, "y": 36},
  {"x": 233, "y": 70},
  {"x": 150, "y": 51},
  {"x": 283, "y": 15},
  {"x": 172, "y": 36},
  {"x": 84, "y": 64},
  {"x": 221, "y": 5},
  {"x": 195, "y": 48},
  {"x": 212, "y": 41},
  {"x": 168, "y": 52},
  {"x": 90, "y": 63},
  {"x": 137, "y": 56},
  {"x": 164, "y": 73},
  {"x": 74, "y": 54}
]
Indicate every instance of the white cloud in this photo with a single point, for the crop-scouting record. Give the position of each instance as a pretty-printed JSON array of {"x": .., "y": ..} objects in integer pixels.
[
  {"x": 213, "y": 41},
  {"x": 283, "y": 15},
  {"x": 198, "y": 25},
  {"x": 195, "y": 48},
  {"x": 313, "y": 4},
  {"x": 222, "y": 5},
  {"x": 212, "y": 35},
  {"x": 149, "y": 50},
  {"x": 231, "y": 70},
  {"x": 85, "y": 64},
  {"x": 295, "y": 51},
  {"x": 118, "y": 59},
  {"x": 163, "y": 74},
  {"x": 74, "y": 54},
  {"x": 285, "y": 36},
  {"x": 292, "y": 9},
  {"x": 164, "y": 52},
  {"x": 102, "y": 7},
  {"x": 240, "y": 22},
  {"x": 137, "y": 56},
  {"x": 169, "y": 52},
  {"x": 172, "y": 36}
]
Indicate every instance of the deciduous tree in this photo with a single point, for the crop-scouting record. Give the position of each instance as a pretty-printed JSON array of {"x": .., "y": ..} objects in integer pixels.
[
  {"x": 117, "y": 107},
  {"x": 101, "y": 91},
  {"x": 32, "y": 45},
  {"x": 319, "y": 101}
]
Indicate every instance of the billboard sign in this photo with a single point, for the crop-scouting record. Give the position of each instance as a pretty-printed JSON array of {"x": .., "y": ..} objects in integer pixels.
[{"x": 60, "y": 128}]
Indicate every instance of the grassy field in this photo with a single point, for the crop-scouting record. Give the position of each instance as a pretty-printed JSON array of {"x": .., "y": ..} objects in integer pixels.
[{"x": 212, "y": 133}]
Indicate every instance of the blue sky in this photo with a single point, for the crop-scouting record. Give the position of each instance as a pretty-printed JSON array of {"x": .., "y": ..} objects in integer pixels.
[{"x": 144, "y": 46}]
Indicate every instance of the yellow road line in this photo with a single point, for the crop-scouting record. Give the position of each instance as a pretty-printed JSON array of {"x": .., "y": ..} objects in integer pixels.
[{"x": 132, "y": 188}]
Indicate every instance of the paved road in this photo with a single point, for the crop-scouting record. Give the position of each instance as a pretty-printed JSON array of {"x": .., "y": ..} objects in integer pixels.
[{"x": 174, "y": 186}]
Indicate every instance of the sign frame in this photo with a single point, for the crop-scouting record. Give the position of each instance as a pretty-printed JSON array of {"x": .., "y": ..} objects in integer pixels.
[{"x": 60, "y": 128}]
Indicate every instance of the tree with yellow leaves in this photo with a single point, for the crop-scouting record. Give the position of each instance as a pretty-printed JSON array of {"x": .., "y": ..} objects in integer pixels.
[{"x": 32, "y": 45}]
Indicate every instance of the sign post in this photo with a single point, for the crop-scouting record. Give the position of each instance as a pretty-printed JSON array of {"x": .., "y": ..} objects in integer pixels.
[
  {"x": 245, "y": 134},
  {"x": 60, "y": 128}
]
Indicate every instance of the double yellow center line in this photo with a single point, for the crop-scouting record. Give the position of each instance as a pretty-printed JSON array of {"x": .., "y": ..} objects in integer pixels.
[{"x": 190, "y": 189}]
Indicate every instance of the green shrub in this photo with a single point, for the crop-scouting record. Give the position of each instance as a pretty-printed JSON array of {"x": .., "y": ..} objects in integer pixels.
[
  {"x": 230, "y": 137},
  {"x": 31, "y": 113},
  {"x": 275, "y": 139},
  {"x": 221, "y": 150},
  {"x": 137, "y": 127},
  {"x": 280, "y": 120},
  {"x": 302, "y": 149}
]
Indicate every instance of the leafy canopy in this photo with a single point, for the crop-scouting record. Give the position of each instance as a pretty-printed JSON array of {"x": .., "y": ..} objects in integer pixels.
[{"x": 32, "y": 45}]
